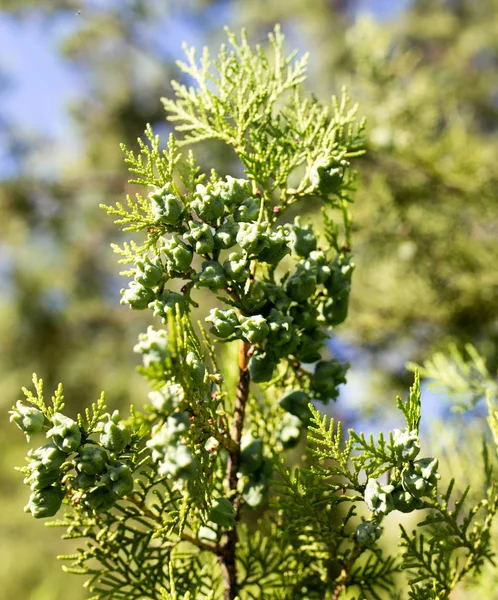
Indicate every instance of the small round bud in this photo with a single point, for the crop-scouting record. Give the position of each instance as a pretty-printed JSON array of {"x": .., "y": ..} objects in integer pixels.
[
  {"x": 137, "y": 296},
  {"x": 327, "y": 174},
  {"x": 276, "y": 296},
  {"x": 65, "y": 433},
  {"x": 233, "y": 191},
  {"x": 328, "y": 375},
  {"x": 207, "y": 203},
  {"x": 289, "y": 431},
  {"x": 149, "y": 272},
  {"x": 420, "y": 477},
  {"x": 378, "y": 497},
  {"x": 45, "y": 502},
  {"x": 406, "y": 444},
  {"x": 224, "y": 322},
  {"x": 261, "y": 367},
  {"x": 254, "y": 330},
  {"x": 255, "y": 493},
  {"x": 211, "y": 445},
  {"x": 82, "y": 481},
  {"x": 236, "y": 267},
  {"x": 200, "y": 237},
  {"x": 317, "y": 262},
  {"x": 253, "y": 237},
  {"x": 168, "y": 398},
  {"x": 212, "y": 276},
  {"x": 301, "y": 285},
  {"x": 179, "y": 462},
  {"x": 367, "y": 533},
  {"x": 29, "y": 419},
  {"x": 302, "y": 239},
  {"x": 187, "y": 464},
  {"x": 310, "y": 346},
  {"x": 291, "y": 347},
  {"x": 304, "y": 315},
  {"x": 277, "y": 247},
  {"x": 115, "y": 435},
  {"x": 178, "y": 254},
  {"x": 153, "y": 346},
  {"x": 41, "y": 477},
  {"x": 256, "y": 298},
  {"x": 247, "y": 211},
  {"x": 296, "y": 403},
  {"x": 178, "y": 424},
  {"x": 405, "y": 502},
  {"x": 99, "y": 499},
  {"x": 166, "y": 207},
  {"x": 226, "y": 235},
  {"x": 333, "y": 311},
  {"x": 48, "y": 456},
  {"x": 91, "y": 460},
  {"x": 281, "y": 330},
  {"x": 168, "y": 434},
  {"x": 339, "y": 280},
  {"x": 168, "y": 302},
  {"x": 118, "y": 480}
]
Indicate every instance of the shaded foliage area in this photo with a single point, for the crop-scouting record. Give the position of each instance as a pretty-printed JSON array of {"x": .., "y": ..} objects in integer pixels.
[{"x": 425, "y": 215}]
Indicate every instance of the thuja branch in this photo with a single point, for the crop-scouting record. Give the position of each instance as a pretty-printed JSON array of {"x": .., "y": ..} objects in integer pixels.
[
  {"x": 241, "y": 396},
  {"x": 191, "y": 469},
  {"x": 163, "y": 497},
  {"x": 345, "y": 574}
]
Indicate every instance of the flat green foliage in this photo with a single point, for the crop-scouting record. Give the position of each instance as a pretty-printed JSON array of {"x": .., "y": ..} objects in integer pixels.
[
  {"x": 463, "y": 374},
  {"x": 164, "y": 502},
  {"x": 452, "y": 540}
]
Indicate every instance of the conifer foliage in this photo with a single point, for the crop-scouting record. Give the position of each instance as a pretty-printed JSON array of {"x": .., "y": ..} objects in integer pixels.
[{"x": 164, "y": 501}]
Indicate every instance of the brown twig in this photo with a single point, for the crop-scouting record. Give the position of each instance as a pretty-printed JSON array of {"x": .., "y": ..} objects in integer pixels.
[
  {"x": 227, "y": 556},
  {"x": 346, "y": 573}
]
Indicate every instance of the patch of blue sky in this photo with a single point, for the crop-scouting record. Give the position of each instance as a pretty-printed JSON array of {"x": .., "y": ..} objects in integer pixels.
[
  {"x": 42, "y": 83},
  {"x": 384, "y": 10},
  {"x": 363, "y": 403},
  {"x": 39, "y": 84},
  {"x": 179, "y": 25}
]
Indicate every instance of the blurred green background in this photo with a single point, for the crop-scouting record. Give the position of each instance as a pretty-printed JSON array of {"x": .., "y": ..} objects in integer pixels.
[{"x": 78, "y": 77}]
